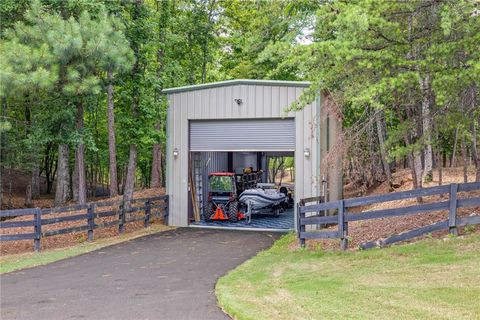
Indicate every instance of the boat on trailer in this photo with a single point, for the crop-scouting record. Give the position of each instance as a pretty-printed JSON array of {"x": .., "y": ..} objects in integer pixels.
[{"x": 259, "y": 198}]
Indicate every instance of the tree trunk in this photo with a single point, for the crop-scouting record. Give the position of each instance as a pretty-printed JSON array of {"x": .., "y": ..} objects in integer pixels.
[
  {"x": 62, "y": 191},
  {"x": 455, "y": 141},
  {"x": 28, "y": 196},
  {"x": 427, "y": 129},
  {"x": 464, "y": 159},
  {"x": 438, "y": 157},
  {"x": 163, "y": 169},
  {"x": 417, "y": 163},
  {"x": 130, "y": 180},
  {"x": 411, "y": 165},
  {"x": 278, "y": 163},
  {"x": 111, "y": 139},
  {"x": 204, "y": 45},
  {"x": 440, "y": 169},
  {"x": 52, "y": 177},
  {"x": 204, "y": 59},
  {"x": 74, "y": 179},
  {"x": 10, "y": 188},
  {"x": 136, "y": 73},
  {"x": 1, "y": 185},
  {"x": 156, "y": 176},
  {"x": 80, "y": 160},
  {"x": 3, "y": 144},
  {"x": 46, "y": 165},
  {"x": 35, "y": 181},
  {"x": 124, "y": 177},
  {"x": 475, "y": 157},
  {"x": 379, "y": 117},
  {"x": 34, "y": 189}
]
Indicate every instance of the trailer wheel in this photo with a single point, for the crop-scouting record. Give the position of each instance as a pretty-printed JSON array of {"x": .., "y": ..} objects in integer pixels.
[
  {"x": 276, "y": 212},
  {"x": 233, "y": 211},
  {"x": 207, "y": 214}
]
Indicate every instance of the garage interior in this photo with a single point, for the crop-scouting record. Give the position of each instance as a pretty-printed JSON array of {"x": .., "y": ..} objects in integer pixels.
[
  {"x": 204, "y": 163},
  {"x": 255, "y": 152}
]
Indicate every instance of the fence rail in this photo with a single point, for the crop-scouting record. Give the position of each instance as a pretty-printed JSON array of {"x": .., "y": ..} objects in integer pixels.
[
  {"x": 39, "y": 220},
  {"x": 343, "y": 215}
]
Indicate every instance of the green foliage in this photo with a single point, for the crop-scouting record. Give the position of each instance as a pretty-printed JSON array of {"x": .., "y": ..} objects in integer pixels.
[
  {"x": 371, "y": 55},
  {"x": 52, "y": 62},
  {"x": 261, "y": 37},
  {"x": 368, "y": 55}
]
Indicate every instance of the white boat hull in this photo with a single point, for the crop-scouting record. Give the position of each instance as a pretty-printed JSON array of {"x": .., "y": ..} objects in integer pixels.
[{"x": 259, "y": 198}]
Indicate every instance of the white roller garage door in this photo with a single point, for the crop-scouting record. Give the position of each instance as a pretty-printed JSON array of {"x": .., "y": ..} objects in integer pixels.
[{"x": 243, "y": 135}]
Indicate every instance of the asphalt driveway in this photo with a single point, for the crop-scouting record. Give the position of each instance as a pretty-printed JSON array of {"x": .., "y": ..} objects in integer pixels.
[{"x": 169, "y": 275}]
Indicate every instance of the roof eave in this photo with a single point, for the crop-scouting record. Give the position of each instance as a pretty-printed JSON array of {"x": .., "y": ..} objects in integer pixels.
[{"x": 303, "y": 84}]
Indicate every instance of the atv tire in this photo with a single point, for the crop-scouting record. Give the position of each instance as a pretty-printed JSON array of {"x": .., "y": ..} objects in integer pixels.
[
  {"x": 233, "y": 211},
  {"x": 208, "y": 212}
]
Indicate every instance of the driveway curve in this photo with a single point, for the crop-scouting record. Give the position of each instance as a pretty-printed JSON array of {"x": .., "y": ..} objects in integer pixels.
[{"x": 168, "y": 275}]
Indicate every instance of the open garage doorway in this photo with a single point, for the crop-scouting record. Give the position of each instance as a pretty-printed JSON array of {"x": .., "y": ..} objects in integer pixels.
[{"x": 258, "y": 185}]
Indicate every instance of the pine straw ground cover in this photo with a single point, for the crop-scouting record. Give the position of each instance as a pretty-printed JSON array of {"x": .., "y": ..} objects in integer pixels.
[
  {"x": 429, "y": 279},
  {"x": 372, "y": 230},
  {"x": 76, "y": 238}
]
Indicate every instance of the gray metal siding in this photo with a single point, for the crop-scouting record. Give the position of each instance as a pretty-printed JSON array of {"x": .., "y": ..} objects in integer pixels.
[
  {"x": 243, "y": 135},
  {"x": 260, "y": 102}
]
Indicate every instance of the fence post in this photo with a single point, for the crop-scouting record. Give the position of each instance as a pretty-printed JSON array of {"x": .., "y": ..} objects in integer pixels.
[
  {"x": 165, "y": 214},
  {"x": 300, "y": 227},
  {"x": 342, "y": 232},
  {"x": 156, "y": 213},
  {"x": 37, "y": 229},
  {"x": 452, "y": 215},
  {"x": 345, "y": 225},
  {"x": 147, "y": 213},
  {"x": 121, "y": 217},
  {"x": 90, "y": 221}
]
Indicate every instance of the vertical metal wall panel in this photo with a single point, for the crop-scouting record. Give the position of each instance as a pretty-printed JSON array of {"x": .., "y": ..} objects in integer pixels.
[
  {"x": 250, "y": 103},
  {"x": 168, "y": 153},
  {"x": 258, "y": 102}
]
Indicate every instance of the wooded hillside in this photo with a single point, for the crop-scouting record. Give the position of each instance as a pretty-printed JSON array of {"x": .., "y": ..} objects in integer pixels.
[{"x": 81, "y": 82}]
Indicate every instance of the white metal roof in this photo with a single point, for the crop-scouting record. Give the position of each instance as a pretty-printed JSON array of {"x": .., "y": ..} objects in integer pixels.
[{"x": 238, "y": 82}]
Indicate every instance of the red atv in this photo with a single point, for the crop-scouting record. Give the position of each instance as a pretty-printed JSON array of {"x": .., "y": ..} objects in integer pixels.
[{"x": 222, "y": 198}]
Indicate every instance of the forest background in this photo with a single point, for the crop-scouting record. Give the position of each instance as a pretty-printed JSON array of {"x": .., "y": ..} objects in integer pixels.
[{"x": 81, "y": 83}]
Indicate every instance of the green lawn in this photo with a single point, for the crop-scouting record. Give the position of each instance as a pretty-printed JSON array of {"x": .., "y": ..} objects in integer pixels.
[{"x": 430, "y": 279}]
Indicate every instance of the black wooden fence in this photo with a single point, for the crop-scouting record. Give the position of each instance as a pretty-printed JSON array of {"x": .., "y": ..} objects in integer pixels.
[
  {"x": 123, "y": 213},
  {"x": 343, "y": 215}
]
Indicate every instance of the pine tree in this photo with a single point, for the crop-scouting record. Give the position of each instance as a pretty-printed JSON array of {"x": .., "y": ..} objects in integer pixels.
[{"x": 71, "y": 54}]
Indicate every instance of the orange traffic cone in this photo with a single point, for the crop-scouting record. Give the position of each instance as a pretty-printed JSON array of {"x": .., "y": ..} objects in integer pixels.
[{"x": 219, "y": 215}]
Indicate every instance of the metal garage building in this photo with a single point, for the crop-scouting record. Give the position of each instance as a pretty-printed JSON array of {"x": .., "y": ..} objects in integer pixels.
[{"x": 208, "y": 122}]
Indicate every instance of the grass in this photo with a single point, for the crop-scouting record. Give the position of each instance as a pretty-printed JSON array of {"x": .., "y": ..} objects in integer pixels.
[
  {"x": 430, "y": 279},
  {"x": 14, "y": 262}
]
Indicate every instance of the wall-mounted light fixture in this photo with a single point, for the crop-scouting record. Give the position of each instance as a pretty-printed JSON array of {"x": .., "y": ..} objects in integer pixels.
[
  {"x": 239, "y": 102},
  {"x": 306, "y": 152},
  {"x": 175, "y": 152}
]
